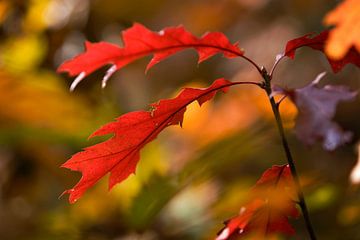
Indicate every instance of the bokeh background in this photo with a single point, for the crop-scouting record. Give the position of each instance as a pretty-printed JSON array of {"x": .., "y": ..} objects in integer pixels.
[{"x": 189, "y": 180}]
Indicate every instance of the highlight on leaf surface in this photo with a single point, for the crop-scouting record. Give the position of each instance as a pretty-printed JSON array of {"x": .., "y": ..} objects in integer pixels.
[
  {"x": 139, "y": 42},
  {"x": 267, "y": 213},
  {"x": 120, "y": 154},
  {"x": 345, "y": 36},
  {"x": 317, "y": 106},
  {"x": 317, "y": 42}
]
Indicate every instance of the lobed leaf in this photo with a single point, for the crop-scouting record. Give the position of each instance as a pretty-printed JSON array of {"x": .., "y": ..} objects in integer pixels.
[
  {"x": 120, "y": 154},
  {"x": 318, "y": 43},
  {"x": 139, "y": 42},
  {"x": 268, "y": 212},
  {"x": 317, "y": 106},
  {"x": 345, "y": 35}
]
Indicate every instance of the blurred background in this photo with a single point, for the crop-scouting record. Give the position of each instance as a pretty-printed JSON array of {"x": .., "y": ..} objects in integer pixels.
[{"x": 189, "y": 180}]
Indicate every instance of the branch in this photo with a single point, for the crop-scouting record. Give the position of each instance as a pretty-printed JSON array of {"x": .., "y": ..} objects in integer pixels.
[{"x": 275, "y": 109}]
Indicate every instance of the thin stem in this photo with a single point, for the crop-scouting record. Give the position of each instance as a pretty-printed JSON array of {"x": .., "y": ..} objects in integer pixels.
[
  {"x": 289, "y": 157},
  {"x": 280, "y": 101},
  {"x": 251, "y": 62},
  {"x": 278, "y": 60}
]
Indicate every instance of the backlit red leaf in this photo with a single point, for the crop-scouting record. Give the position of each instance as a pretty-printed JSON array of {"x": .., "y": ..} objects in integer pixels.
[
  {"x": 268, "y": 212},
  {"x": 139, "y": 42},
  {"x": 120, "y": 154},
  {"x": 318, "y": 43}
]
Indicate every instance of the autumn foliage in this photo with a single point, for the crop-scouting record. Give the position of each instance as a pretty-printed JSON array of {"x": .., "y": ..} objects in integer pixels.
[
  {"x": 318, "y": 43},
  {"x": 345, "y": 37},
  {"x": 132, "y": 131},
  {"x": 274, "y": 197},
  {"x": 273, "y": 201},
  {"x": 139, "y": 42}
]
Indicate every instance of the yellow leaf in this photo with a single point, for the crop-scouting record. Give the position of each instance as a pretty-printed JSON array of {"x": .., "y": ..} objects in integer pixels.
[
  {"x": 34, "y": 19},
  {"x": 39, "y": 100},
  {"x": 24, "y": 53}
]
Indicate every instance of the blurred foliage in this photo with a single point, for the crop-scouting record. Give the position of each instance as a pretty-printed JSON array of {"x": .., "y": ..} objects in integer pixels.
[{"x": 189, "y": 180}]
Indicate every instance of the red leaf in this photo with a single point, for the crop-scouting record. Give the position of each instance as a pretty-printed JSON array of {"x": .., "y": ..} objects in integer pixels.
[
  {"x": 269, "y": 210},
  {"x": 132, "y": 131},
  {"x": 318, "y": 43},
  {"x": 139, "y": 42}
]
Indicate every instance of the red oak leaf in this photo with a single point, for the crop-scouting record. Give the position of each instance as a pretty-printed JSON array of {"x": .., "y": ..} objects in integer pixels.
[
  {"x": 317, "y": 107},
  {"x": 139, "y": 42},
  {"x": 318, "y": 43},
  {"x": 268, "y": 212},
  {"x": 120, "y": 154}
]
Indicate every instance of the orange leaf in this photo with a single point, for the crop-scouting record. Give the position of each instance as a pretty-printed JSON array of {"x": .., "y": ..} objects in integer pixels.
[{"x": 346, "y": 34}]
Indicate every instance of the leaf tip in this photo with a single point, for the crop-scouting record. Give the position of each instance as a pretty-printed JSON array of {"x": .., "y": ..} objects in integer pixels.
[
  {"x": 318, "y": 78},
  {"x": 87, "y": 44},
  {"x": 150, "y": 65},
  {"x": 72, "y": 199},
  {"x": 108, "y": 74},
  {"x": 77, "y": 80},
  {"x": 224, "y": 234}
]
